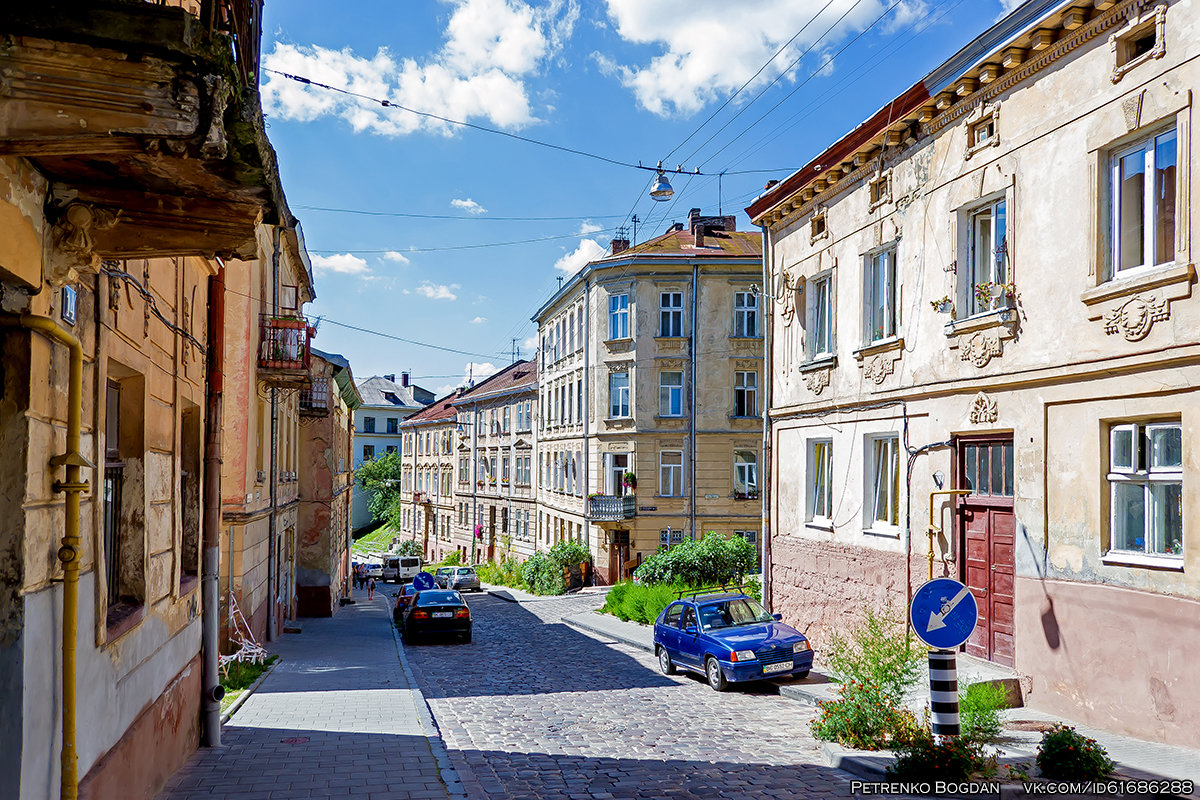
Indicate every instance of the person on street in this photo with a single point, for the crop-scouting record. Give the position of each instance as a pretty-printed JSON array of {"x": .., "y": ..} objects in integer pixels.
[{"x": 371, "y": 589}]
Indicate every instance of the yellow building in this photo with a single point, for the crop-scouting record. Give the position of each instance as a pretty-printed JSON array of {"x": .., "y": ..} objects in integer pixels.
[
  {"x": 427, "y": 464},
  {"x": 649, "y": 424}
]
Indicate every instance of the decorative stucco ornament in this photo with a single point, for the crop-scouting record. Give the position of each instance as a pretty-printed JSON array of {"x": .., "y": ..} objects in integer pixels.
[
  {"x": 981, "y": 348},
  {"x": 983, "y": 409},
  {"x": 72, "y": 253},
  {"x": 817, "y": 380},
  {"x": 879, "y": 368},
  {"x": 1134, "y": 318}
]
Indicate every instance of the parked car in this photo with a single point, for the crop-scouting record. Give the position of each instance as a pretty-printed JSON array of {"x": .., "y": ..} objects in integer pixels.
[
  {"x": 403, "y": 598},
  {"x": 442, "y": 576},
  {"x": 464, "y": 579},
  {"x": 400, "y": 568},
  {"x": 728, "y": 637},
  {"x": 375, "y": 571},
  {"x": 436, "y": 611}
]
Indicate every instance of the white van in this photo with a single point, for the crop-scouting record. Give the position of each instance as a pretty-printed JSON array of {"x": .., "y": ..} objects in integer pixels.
[{"x": 401, "y": 569}]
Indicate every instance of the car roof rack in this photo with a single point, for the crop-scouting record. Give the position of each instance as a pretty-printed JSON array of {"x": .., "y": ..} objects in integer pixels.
[{"x": 723, "y": 588}]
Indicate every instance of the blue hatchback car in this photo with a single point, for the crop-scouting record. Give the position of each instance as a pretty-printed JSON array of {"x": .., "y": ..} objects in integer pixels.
[{"x": 728, "y": 638}]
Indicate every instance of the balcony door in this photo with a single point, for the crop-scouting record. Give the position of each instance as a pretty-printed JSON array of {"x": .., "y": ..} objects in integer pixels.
[{"x": 616, "y": 465}]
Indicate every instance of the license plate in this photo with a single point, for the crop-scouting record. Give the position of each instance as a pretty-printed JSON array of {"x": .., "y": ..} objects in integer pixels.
[
  {"x": 782, "y": 666},
  {"x": 443, "y": 614}
]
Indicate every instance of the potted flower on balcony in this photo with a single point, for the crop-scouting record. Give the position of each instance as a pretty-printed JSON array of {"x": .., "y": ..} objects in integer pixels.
[
  {"x": 479, "y": 483},
  {"x": 629, "y": 481},
  {"x": 594, "y": 495},
  {"x": 991, "y": 295}
]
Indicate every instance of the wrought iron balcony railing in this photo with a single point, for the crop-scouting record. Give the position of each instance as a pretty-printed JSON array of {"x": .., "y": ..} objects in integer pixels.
[
  {"x": 314, "y": 401},
  {"x": 284, "y": 349},
  {"x": 610, "y": 508}
]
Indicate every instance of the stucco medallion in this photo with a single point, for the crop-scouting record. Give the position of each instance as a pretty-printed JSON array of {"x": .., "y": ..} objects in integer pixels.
[
  {"x": 1134, "y": 318},
  {"x": 983, "y": 409},
  {"x": 981, "y": 347},
  {"x": 879, "y": 367},
  {"x": 818, "y": 380},
  {"x": 72, "y": 252}
]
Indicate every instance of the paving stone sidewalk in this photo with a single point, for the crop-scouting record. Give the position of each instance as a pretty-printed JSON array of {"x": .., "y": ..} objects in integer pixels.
[{"x": 337, "y": 718}]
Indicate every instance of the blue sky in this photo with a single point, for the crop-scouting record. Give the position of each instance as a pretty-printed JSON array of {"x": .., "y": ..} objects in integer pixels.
[{"x": 458, "y": 235}]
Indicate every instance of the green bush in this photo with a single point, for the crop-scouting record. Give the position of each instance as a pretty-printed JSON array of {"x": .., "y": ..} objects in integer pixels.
[
  {"x": 864, "y": 717},
  {"x": 956, "y": 758},
  {"x": 715, "y": 559},
  {"x": 640, "y": 602},
  {"x": 411, "y": 547},
  {"x": 547, "y": 573},
  {"x": 1066, "y": 754},
  {"x": 506, "y": 573},
  {"x": 979, "y": 711},
  {"x": 452, "y": 559},
  {"x": 878, "y": 653}
]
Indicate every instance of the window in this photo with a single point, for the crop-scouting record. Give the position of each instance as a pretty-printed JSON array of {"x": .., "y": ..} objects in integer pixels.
[
  {"x": 820, "y": 317},
  {"x": 745, "y": 315},
  {"x": 669, "y": 538},
  {"x": 571, "y": 332},
  {"x": 368, "y": 424},
  {"x": 618, "y": 316},
  {"x": 1146, "y": 488},
  {"x": 368, "y": 452},
  {"x": 880, "y": 190},
  {"x": 392, "y": 425},
  {"x": 670, "y": 314},
  {"x": 987, "y": 260},
  {"x": 988, "y": 468},
  {"x": 506, "y": 419},
  {"x": 745, "y": 475},
  {"x": 504, "y": 469},
  {"x": 391, "y": 448},
  {"x": 1143, "y": 203},
  {"x": 745, "y": 394},
  {"x": 1139, "y": 41},
  {"x": 579, "y": 400},
  {"x": 618, "y": 395},
  {"x": 879, "y": 295},
  {"x": 464, "y": 472},
  {"x": 820, "y": 480},
  {"x": 670, "y": 473},
  {"x": 883, "y": 460},
  {"x": 671, "y": 620},
  {"x": 670, "y": 394},
  {"x": 818, "y": 227}
]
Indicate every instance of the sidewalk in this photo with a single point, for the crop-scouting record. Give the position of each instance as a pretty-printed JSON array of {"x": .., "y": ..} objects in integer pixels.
[
  {"x": 338, "y": 717},
  {"x": 1135, "y": 757}
]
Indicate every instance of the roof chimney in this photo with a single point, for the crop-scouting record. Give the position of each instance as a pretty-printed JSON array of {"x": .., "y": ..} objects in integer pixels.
[
  {"x": 391, "y": 377},
  {"x": 699, "y": 231},
  {"x": 619, "y": 245},
  {"x": 404, "y": 379}
]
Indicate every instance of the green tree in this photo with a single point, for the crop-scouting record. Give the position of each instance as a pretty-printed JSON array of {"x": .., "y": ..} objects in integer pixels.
[{"x": 381, "y": 477}]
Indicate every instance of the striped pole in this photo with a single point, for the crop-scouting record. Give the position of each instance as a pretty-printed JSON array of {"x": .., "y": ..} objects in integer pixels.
[{"x": 943, "y": 693}]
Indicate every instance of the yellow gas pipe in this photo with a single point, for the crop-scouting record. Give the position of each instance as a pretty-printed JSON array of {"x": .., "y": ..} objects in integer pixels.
[
  {"x": 68, "y": 552},
  {"x": 933, "y": 528}
]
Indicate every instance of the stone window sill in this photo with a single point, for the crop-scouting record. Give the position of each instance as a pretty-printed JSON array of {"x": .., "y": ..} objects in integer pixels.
[
  {"x": 824, "y": 362},
  {"x": 887, "y": 532},
  {"x": 1141, "y": 281},
  {"x": 620, "y": 340},
  {"x": 187, "y": 583},
  {"x": 746, "y": 338},
  {"x": 820, "y": 524},
  {"x": 736, "y": 417},
  {"x": 997, "y": 318},
  {"x": 1119, "y": 558},
  {"x": 881, "y": 346},
  {"x": 123, "y": 616}
]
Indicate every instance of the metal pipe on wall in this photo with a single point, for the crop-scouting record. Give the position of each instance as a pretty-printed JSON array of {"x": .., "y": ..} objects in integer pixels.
[
  {"x": 210, "y": 585},
  {"x": 767, "y": 296},
  {"x": 273, "y": 475},
  {"x": 692, "y": 403}
]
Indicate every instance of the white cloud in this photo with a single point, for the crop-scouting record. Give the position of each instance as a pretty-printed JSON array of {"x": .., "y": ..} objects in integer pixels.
[
  {"x": 343, "y": 263},
  {"x": 1009, "y": 5},
  {"x": 588, "y": 250},
  {"x": 474, "y": 371},
  {"x": 436, "y": 291},
  {"x": 587, "y": 228},
  {"x": 468, "y": 205},
  {"x": 479, "y": 320},
  {"x": 531, "y": 343},
  {"x": 490, "y": 47},
  {"x": 706, "y": 54},
  {"x": 398, "y": 257}
]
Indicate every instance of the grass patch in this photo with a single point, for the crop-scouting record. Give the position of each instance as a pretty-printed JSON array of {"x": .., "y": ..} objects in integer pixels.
[
  {"x": 239, "y": 677},
  {"x": 641, "y": 602},
  {"x": 376, "y": 541}
]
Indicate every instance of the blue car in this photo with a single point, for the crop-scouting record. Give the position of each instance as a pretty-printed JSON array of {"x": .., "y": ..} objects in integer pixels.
[{"x": 728, "y": 638}]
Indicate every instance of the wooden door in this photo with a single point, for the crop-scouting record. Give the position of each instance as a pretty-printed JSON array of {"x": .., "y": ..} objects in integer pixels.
[
  {"x": 987, "y": 539},
  {"x": 618, "y": 555}
]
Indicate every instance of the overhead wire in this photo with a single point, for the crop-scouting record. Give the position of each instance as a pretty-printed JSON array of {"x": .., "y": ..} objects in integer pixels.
[{"x": 476, "y": 217}]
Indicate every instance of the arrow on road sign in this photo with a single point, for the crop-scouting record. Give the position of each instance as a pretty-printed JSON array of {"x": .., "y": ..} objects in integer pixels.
[{"x": 937, "y": 620}]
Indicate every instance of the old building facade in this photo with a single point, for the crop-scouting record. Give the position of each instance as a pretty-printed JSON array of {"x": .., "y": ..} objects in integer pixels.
[
  {"x": 650, "y": 406},
  {"x": 987, "y": 288},
  {"x": 427, "y": 470},
  {"x": 377, "y": 426}
]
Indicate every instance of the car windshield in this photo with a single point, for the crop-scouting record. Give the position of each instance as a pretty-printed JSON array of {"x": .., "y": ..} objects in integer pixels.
[
  {"x": 439, "y": 598},
  {"x": 729, "y": 613},
  {"x": 466, "y": 571}
]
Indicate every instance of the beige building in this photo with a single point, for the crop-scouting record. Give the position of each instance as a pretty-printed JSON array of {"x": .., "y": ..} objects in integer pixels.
[
  {"x": 427, "y": 469},
  {"x": 326, "y": 478},
  {"x": 649, "y": 426},
  {"x": 115, "y": 210},
  {"x": 987, "y": 288}
]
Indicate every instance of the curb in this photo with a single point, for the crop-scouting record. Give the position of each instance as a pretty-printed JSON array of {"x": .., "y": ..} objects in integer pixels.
[
  {"x": 505, "y": 596},
  {"x": 575, "y": 622},
  {"x": 249, "y": 691},
  {"x": 433, "y": 736}
]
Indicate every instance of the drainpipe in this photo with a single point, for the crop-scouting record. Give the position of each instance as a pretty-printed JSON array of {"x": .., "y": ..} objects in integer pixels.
[
  {"x": 475, "y": 421},
  {"x": 68, "y": 553},
  {"x": 586, "y": 412},
  {"x": 210, "y": 586},
  {"x": 273, "y": 476},
  {"x": 765, "y": 485},
  {"x": 692, "y": 404}
]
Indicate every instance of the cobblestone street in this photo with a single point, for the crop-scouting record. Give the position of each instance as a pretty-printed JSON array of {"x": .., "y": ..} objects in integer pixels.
[{"x": 536, "y": 709}]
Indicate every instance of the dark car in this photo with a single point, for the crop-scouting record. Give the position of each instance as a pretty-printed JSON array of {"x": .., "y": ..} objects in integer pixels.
[
  {"x": 728, "y": 637},
  {"x": 403, "y": 598},
  {"x": 436, "y": 611},
  {"x": 442, "y": 576}
]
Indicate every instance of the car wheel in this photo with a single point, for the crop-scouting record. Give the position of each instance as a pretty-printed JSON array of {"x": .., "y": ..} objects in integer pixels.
[
  {"x": 716, "y": 678},
  {"x": 802, "y": 675},
  {"x": 665, "y": 665}
]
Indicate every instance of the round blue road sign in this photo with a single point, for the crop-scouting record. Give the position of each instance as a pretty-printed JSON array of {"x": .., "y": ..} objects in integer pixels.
[
  {"x": 943, "y": 613},
  {"x": 423, "y": 581}
]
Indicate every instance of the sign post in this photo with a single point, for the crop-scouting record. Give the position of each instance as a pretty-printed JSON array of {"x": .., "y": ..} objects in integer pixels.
[{"x": 943, "y": 615}]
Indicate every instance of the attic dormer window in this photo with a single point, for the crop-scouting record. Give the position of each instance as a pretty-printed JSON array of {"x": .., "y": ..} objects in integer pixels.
[
  {"x": 880, "y": 190},
  {"x": 391, "y": 397},
  {"x": 1143, "y": 39},
  {"x": 818, "y": 228}
]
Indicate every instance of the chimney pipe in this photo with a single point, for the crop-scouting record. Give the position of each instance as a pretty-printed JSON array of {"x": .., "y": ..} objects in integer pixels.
[
  {"x": 404, "y": 379},
  {"x": 699, "y": 231},
  {"x": 391, "y": 377},
  {"x": 619, "y": 245}
]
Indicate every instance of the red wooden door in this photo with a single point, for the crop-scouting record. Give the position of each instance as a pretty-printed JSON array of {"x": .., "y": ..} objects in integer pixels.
[{"x": 988, "y": 525}]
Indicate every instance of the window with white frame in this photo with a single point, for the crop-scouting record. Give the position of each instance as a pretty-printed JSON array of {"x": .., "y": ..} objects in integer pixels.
[
  {"x": 745, "y": 314},
  {"x": 1146, "y": 488},
  {"x": 879, "y": 295},
  {"x": 883, "y": 482},
  {"x": 820, "y": 480},
  {"x": 745, "y": 475},
  {"x": 571, "y": 332},
  {"x": 670, "y": 473},
  {"x": 670, "y": 314},
  {"x": 745, "y": 394},
  {"x": 618, "y": 316},
  {"x": 985, "y": 287},
  {"x": 820, "y": 316},
  {"x": 579, "y": 400},
  {"x": 670, "y": 393},
  {"x": 506, "y": 418},
  {"x": 618, "y": 394},
  {"x": 1143, "y": 203}
]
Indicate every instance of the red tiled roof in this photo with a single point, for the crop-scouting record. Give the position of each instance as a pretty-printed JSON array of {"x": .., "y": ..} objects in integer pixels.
[
  {"x": 436, "y": 411},
  {"x": 682, "y": 244},
  {"x": 514, "y": 376}
]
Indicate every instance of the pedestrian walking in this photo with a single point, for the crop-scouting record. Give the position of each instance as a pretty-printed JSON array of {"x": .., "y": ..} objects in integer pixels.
[{"x": 371, "y": 590}]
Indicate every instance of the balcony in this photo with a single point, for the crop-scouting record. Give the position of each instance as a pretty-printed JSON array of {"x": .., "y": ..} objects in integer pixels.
[
  {"x": 611, "y": 508},
  {"x": 314, "y": 401},
  {"x": 421, "y": 497},
  {"x": 283, "y": 351}
]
